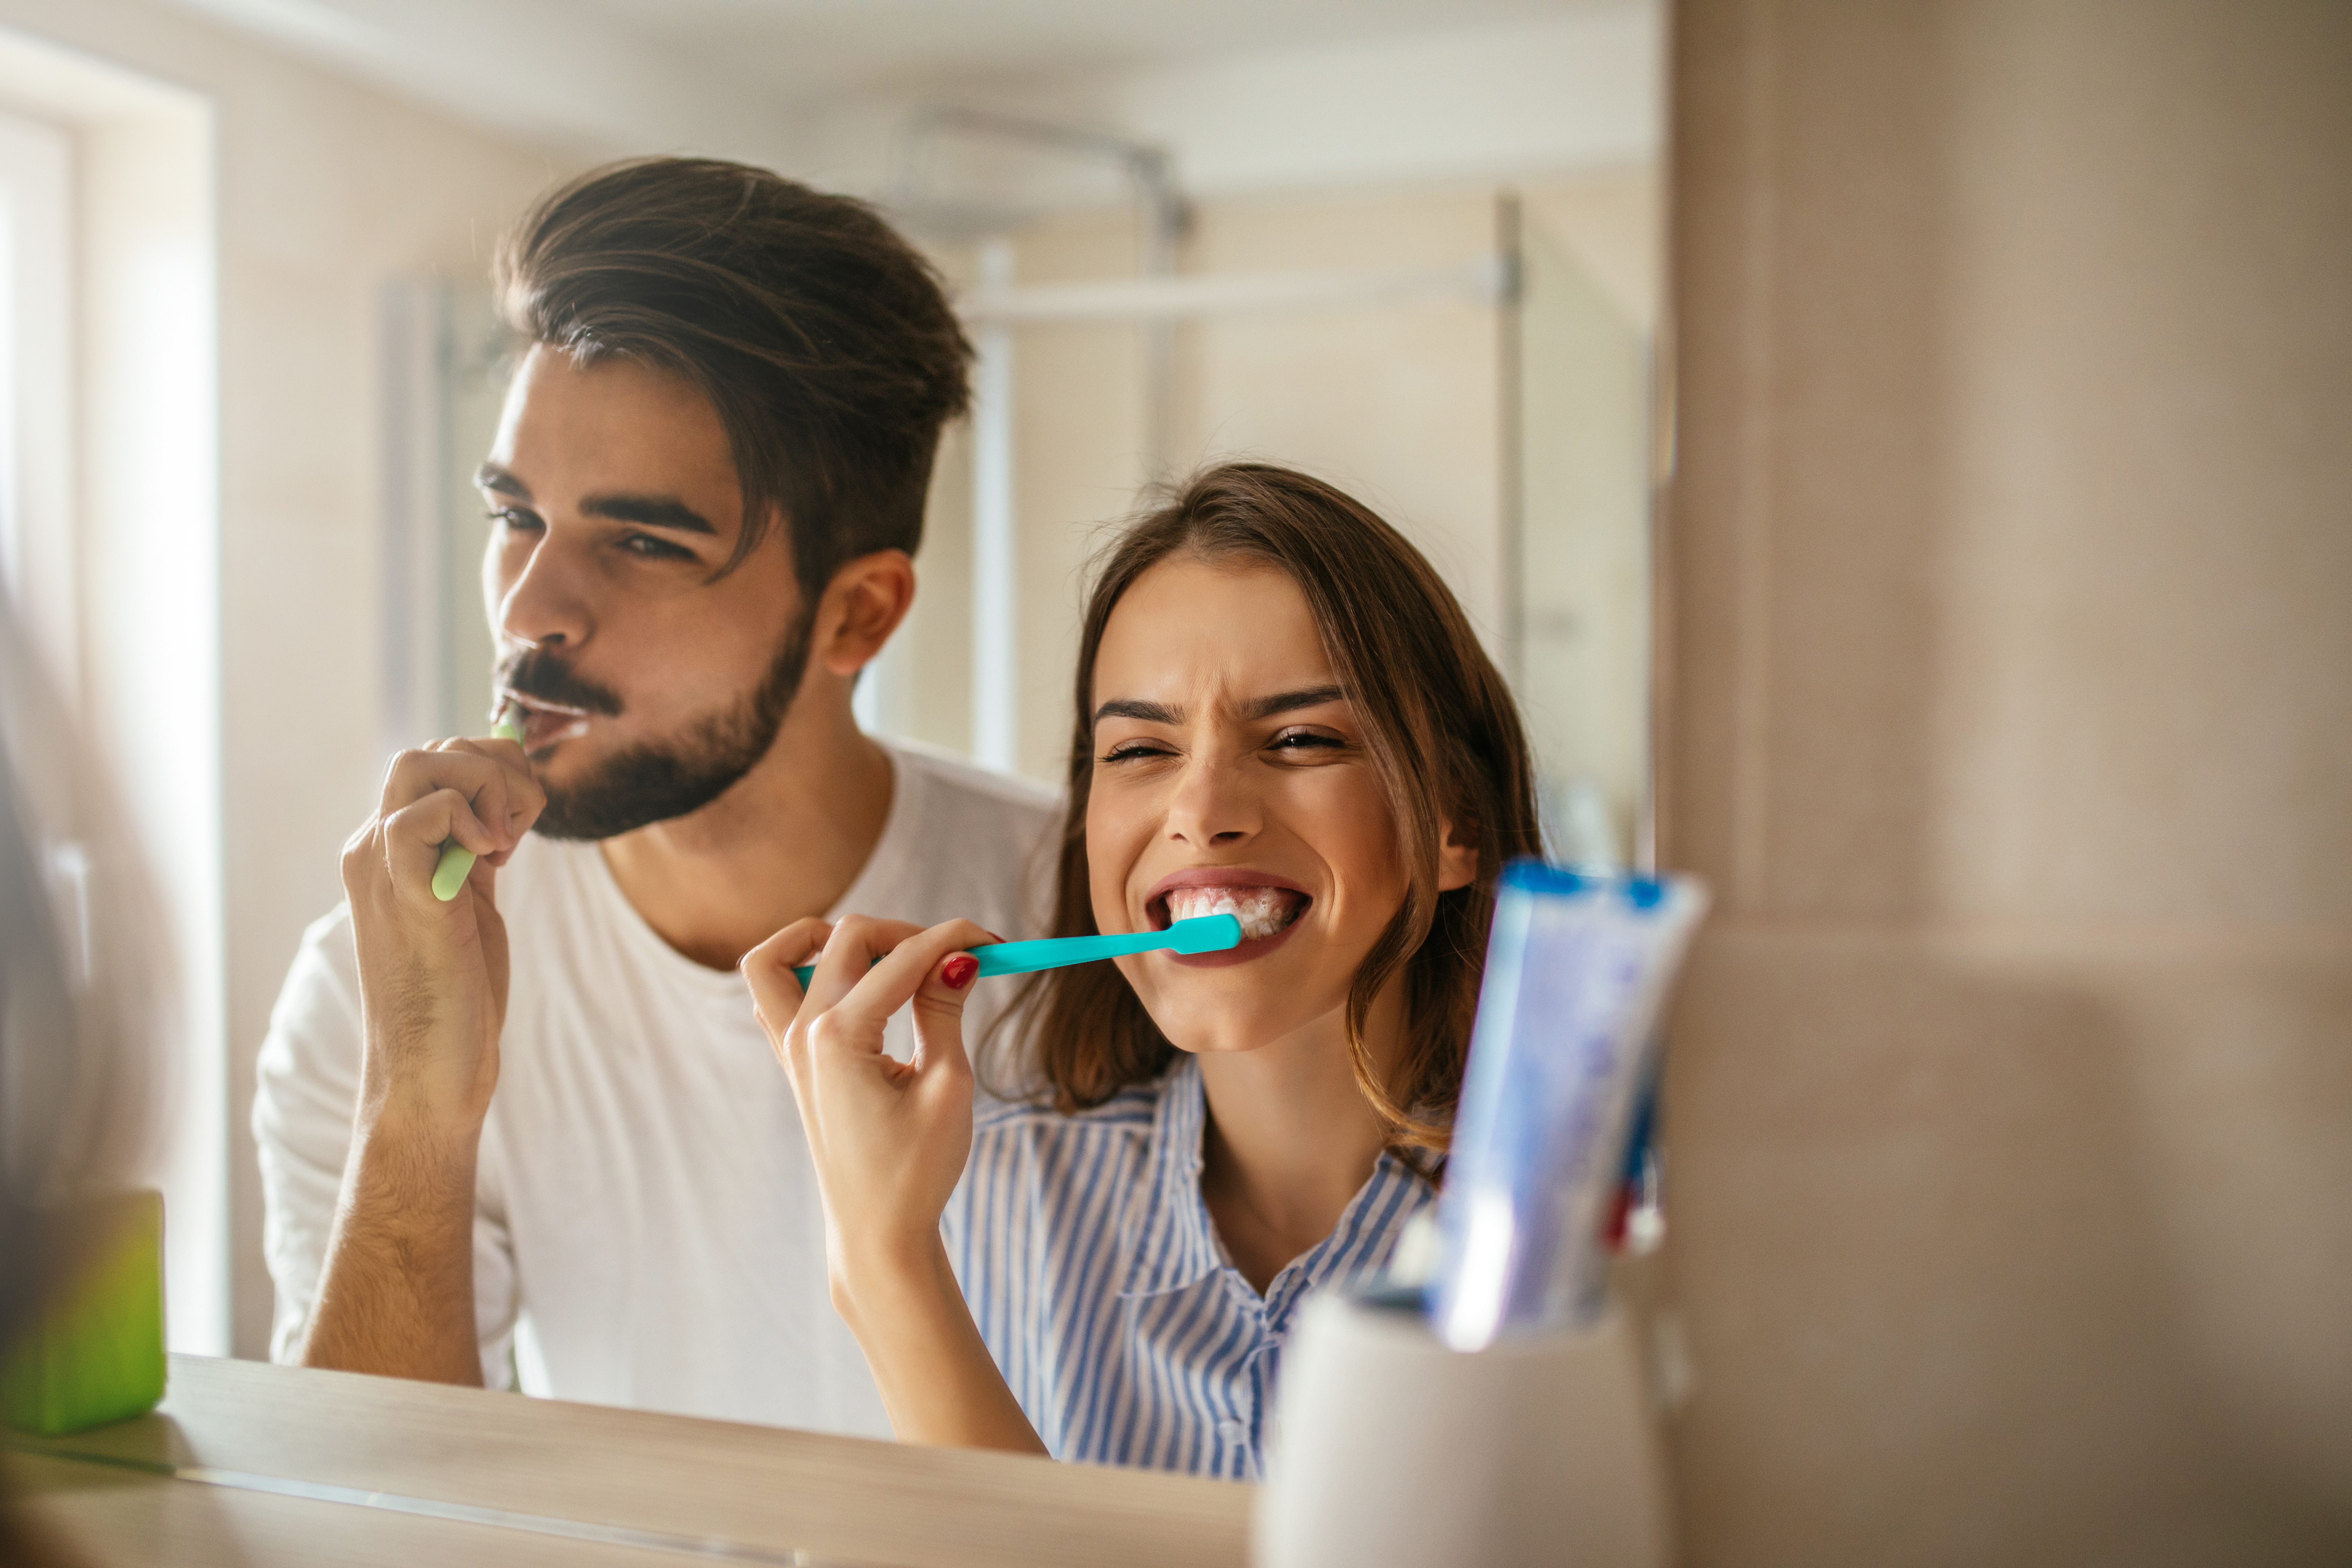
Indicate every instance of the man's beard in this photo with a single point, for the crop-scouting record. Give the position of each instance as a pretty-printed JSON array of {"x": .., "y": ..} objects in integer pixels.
[{"x": 656, "y": 780}]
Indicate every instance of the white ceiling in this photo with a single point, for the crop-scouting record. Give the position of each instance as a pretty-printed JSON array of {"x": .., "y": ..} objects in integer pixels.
[
  {"x": 827, "y": 49},
  {"x": 1247, "y": 93}
]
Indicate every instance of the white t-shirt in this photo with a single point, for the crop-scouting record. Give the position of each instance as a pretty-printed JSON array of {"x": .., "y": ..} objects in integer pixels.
[{"x": 647, "y": 1225}]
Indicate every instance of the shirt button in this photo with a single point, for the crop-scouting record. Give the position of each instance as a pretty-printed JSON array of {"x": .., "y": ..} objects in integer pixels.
[{"x": 1233, "y": 1431}]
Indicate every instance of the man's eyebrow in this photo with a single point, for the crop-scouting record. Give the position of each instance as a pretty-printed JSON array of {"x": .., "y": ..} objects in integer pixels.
[
  {"x": 1286, "y": 701},
  {"x": 490, "y": 477},
  {"x": 1135, "y": 708},
  {"x": 652, "y": 511}
]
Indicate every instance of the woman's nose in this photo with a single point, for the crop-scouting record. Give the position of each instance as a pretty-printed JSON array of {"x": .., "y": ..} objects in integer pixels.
[{"x": 1214, "y": 805}]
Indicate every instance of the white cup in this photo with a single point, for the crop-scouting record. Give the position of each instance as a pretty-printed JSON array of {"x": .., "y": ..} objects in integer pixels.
[{"x": 1391, "y": 1449}]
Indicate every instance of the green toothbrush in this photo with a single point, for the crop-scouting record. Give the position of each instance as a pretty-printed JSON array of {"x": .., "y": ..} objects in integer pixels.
[
  {"x": 1202, "y": 933},
  {"x": 456, "y": 860}
]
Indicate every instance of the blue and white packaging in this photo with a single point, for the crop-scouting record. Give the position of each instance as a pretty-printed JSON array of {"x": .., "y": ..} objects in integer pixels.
[{"x": 1577, "y": 967}]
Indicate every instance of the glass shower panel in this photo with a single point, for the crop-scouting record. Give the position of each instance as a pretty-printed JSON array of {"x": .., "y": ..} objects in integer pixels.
[
  {"x": 479, "y": 358},
  {"x": 447, "y": 364},
  {"x": 1582, "y": 659}
]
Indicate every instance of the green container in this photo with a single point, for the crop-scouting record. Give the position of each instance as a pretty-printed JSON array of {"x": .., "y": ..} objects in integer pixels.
[{"x": 94, "y": 1352}]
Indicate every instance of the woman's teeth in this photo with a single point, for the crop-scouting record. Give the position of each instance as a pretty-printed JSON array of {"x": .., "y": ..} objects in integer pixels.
[{"x": 1262, "y": 911}]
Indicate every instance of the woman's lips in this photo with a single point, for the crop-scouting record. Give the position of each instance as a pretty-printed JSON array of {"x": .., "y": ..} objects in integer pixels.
[
  {"x": 1253, "y": 947},
  {"x": 1258, "y": 899}
]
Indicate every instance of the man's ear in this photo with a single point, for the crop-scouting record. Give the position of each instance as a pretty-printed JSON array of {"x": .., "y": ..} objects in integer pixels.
[
  {"x": 862, "y": 607},
  {"x": 1458, "y": 861}
]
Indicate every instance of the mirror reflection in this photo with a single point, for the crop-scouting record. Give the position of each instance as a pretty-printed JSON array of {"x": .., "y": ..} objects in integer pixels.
[
  {"x": 925, "y": 784},
  {"x": 625, "y": 606}
]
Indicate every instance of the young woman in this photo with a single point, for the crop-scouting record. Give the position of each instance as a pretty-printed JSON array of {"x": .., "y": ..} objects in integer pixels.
[{"x": 1282, "y": 713}]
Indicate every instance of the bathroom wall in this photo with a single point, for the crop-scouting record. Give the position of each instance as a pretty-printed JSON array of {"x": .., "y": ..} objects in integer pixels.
[
  {"x": 1402, "y": 404},
  {"x": 324, "y": 188},
  {"x": 2011, "y": 716}
]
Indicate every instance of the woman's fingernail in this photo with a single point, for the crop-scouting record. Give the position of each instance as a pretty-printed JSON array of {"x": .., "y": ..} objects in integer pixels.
[{"x": 958, "y": 971}]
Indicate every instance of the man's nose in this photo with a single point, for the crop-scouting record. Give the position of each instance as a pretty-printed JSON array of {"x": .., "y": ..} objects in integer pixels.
[
  {"x": 1214, "y": 806},
  {"x": 544, "y": 604}
]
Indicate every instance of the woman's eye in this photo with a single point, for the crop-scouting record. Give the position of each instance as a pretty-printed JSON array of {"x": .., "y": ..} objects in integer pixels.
[
  {"x": 1130, "y": 750},
  {"x": 1305, "y": 740}
]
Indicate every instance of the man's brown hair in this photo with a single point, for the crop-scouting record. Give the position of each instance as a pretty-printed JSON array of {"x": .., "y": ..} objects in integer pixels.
[
  {"x": 1441, "y": 729},
  {"x": 820, "y": 336}
]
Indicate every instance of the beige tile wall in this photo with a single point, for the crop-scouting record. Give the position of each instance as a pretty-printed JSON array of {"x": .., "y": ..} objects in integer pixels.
[{"x": 2010, "y": 596}]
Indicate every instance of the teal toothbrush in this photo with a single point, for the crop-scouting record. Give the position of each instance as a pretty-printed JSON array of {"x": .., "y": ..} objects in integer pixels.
[
  {"x": 456, "y": 860},
  {"x": 1202, "y": 933}
]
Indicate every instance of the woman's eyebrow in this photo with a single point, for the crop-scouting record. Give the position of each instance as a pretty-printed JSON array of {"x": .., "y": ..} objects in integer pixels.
[
  {"x": 1285, "y": 701},
  {"x": 1258, "y": 708},
  {"x": 1135, "y": 708}
]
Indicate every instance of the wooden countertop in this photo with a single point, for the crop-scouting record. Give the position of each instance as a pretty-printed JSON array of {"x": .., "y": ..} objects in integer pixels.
[{"x": 248, "y": 1463}]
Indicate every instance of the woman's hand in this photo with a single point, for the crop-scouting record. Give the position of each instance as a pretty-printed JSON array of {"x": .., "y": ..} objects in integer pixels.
[{"x": 890, "y": 1139}]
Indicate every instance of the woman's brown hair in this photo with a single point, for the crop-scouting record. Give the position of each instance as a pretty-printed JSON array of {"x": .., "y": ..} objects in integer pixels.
[{"x": 1441, "y": 729}]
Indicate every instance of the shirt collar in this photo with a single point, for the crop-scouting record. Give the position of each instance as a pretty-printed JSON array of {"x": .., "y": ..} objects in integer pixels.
[
  {"x": 1360, "y": 1244},
  {"x": 1176, "y": 1244}
]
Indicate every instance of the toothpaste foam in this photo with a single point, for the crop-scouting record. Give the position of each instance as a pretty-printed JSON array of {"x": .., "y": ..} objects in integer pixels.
[{"x": 1262, "y": 911}]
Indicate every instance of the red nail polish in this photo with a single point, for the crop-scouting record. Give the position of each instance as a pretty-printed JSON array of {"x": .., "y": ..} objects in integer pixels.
[{"x": 958, "y": 971}]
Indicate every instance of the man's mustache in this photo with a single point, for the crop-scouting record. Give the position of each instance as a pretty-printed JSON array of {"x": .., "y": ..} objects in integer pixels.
[{"x": 541, "y": 673}]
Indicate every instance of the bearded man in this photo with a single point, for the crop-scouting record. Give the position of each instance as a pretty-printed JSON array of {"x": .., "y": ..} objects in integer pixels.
[{"x": 534, "y": 1131}]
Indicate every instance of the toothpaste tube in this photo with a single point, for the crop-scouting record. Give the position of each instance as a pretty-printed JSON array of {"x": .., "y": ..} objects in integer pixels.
[{"x": 1577, "y": 966}]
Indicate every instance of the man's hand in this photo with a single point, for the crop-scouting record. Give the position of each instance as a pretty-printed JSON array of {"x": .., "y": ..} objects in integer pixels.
[
  {"x": 396, "y": 1296},
  {"x": 433, "y": 975}
]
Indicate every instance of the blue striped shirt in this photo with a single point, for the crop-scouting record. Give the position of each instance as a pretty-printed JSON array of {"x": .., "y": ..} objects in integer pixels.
[{"x": 1096, "y": 1279}]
